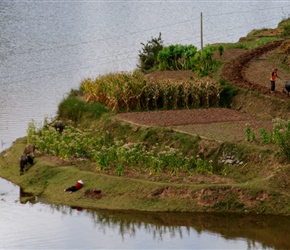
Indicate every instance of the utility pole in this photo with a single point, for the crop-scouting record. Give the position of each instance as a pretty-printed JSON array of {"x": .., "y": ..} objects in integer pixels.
[{"x": 201, "y": 33}]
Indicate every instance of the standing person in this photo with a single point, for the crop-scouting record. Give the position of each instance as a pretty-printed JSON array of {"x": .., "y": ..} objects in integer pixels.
[{"x": 273, "y": 79}]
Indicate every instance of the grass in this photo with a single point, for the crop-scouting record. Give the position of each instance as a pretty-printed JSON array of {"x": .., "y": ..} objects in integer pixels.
[
  {"x": 49, "y": 180},
  {"x": 49, "y": 176}
]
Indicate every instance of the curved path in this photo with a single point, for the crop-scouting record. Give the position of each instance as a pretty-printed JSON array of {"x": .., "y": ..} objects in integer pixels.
[{"x": 234, "y": 70}]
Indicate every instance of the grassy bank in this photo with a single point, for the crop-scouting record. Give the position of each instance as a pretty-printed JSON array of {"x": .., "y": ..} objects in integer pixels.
[{"x": 248, "y": 188}]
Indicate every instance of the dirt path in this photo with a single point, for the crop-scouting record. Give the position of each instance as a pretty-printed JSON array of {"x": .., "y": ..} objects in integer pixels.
[{"x": 252, "y": 71}]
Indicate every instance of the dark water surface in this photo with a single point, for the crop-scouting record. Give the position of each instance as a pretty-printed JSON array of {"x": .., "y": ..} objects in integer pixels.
[
  {"x": 36, "y": 225},
  {"x": 47, "y": 48}
]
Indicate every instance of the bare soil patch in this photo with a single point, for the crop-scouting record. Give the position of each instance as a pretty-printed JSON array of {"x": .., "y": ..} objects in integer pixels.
[
  {"x": 213, "y": 123},
  {"x": 184, "y": 117}
]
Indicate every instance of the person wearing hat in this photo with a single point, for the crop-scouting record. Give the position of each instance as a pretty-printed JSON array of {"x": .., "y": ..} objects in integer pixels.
[
  {"x": 76, "y": 187},
  {"x": 273, "y": 79}
]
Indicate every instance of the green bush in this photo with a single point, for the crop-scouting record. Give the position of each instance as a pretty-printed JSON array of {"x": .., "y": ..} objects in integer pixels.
[
  {"x": 286, "y": 31},
  {"x": 227, "y": 93},
  {"x": 203, "y": 62},
  {"x": 73, "y": 108},
  {"x": 186, "y": 57},
  {"x": 148, "y": 54},
  {"x": 220, "y": 49},
  {"x": 176, "y": 57}
]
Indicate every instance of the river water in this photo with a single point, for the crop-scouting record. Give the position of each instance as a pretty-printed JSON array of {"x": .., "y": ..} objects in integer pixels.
[{"x": 48, "y": 47}]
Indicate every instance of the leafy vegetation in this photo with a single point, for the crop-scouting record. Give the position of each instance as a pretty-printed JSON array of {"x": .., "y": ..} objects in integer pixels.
[
  {"x": 280, "y": 135},
  {"x": 187, "y": 57},
  {"x": 74, "y": 109},
  {"x": 148, "y": 54},
  {"x": 177, "y": 57},
  {"x": 112, "y": 154}
]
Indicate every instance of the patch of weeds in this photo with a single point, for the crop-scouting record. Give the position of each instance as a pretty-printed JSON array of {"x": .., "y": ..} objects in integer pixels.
[
  {"x": 230, "y": 204},
  {"x": 262, "y": 207},
  {"x": 152, "y": 202}
]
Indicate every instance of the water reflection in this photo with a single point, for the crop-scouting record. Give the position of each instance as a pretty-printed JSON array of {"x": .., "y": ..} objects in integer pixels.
[
  {"x": 130, "y": 229},
  {"x": 25, "y": 197},
  {"x": 257, "y": 230}
]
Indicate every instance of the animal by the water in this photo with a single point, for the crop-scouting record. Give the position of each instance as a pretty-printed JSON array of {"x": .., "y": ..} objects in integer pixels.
[
  {"x": 29, "y": 149},
  {"x": 24, "y": 160},
  {"x": 59, "y": 126},
  {"x": 287, "y": 87}
]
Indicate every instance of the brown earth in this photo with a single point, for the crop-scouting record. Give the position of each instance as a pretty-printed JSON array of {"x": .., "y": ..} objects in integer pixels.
[{"x": 248, "y": 70}]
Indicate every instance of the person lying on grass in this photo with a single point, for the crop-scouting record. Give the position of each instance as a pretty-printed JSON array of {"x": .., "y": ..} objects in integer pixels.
[{"x": 76, "y": 187}]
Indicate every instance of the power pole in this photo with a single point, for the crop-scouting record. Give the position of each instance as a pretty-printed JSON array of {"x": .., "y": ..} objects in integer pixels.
[{"x": 201, "y": 33}]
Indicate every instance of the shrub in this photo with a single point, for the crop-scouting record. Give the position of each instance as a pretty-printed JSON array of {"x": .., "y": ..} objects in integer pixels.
[
  {"x": 72, "y": 108},
  {"x": 227, "y": 93},
  {"x": 148, "y": 54},
  {"x": 176, "y": 57},
  {"x": 202, "y": 62},
  {"x": 220, "y": 50}
]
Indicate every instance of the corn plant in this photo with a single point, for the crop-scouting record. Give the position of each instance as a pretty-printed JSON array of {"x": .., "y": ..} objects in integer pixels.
[
  {"x": 280, "y": 135},
  {"x": 265, "y": 136},
  {"x": 131, "y": 91},
  {"x": 250, "y": 134}
]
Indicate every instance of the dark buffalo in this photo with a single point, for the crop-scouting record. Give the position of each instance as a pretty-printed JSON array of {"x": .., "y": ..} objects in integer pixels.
[
  {"x": 29, "y": 149},
  {"x": 59, "y": 126},
  {"x": 287, "y": 87},
  {"x": 24, "y": 160}
]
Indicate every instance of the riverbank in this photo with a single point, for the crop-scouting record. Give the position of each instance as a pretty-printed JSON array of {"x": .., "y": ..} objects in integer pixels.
[
  {"x": 229, "y": 175},
  {"x": 250, "y": 187}
]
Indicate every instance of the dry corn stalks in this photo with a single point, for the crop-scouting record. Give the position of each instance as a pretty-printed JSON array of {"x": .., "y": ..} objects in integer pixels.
[{"x": 131, "y": 91}]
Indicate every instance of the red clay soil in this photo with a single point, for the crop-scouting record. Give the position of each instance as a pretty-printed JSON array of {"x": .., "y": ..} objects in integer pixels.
[{"x": 184, "y": 117}]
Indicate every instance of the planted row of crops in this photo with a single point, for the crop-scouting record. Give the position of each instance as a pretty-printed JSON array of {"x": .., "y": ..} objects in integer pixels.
[
  {"x": 133, "y": 91},
  {"x": 111, "y": 154}
]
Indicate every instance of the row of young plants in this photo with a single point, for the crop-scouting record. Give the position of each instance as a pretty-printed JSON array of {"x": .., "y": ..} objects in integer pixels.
[
  {"x": 133, "y": 91},
  {"x": 111, "y": 154},
  {"x": 279, "y": 135}
]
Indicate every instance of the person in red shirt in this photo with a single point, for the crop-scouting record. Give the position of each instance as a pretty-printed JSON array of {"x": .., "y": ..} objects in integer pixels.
[
  {"x": 76, "y": 187},
  {"x": 273, "y": 79}
]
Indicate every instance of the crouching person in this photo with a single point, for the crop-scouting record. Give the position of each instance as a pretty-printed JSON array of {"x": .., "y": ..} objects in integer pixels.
[{"x": 76, "y": 187}]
